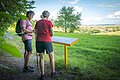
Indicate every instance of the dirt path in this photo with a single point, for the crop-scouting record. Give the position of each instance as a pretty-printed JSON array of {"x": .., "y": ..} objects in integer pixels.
[
  {"x": 15, "y": 71},
  {"x": 14, "y": 67}
]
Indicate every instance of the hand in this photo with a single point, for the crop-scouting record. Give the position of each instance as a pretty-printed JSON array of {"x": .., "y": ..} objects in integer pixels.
[{"x": 33, "y": 30}]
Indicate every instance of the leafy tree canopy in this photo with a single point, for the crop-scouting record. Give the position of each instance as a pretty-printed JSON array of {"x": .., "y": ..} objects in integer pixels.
[
  {"x": 11, "y": 10},
  {"x": 67, "y": 19}
]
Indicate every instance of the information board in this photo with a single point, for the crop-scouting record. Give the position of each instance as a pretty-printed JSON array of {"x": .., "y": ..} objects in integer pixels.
[{"x": 64, "y": 40}]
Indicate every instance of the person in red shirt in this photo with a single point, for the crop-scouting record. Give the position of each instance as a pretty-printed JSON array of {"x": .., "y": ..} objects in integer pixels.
[{"x": 44, "y": 32}]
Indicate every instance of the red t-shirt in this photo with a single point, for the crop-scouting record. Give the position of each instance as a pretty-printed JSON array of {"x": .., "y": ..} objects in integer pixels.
[{"x": 43, "y": 30}]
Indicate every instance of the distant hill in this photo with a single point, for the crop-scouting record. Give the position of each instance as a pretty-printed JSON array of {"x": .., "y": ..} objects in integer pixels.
[
  {"x": 102, "y": 25},
  {"x": 117, "y": 33}
]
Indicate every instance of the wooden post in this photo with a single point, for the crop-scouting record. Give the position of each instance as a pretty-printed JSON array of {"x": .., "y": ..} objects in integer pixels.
[{"x": 66, "y": 55}]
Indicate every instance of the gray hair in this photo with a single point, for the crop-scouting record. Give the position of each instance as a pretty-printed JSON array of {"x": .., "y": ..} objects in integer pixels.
[{"x": 45, "y": 13}]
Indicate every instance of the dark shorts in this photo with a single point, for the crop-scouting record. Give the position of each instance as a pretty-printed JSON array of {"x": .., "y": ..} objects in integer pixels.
[
  {"x": 42, "y": 46},
  {"x": 28, "y": 45}
]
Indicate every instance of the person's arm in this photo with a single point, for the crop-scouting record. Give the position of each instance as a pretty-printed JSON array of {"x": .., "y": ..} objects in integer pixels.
[
  {"x": 35, "y": 30},
  {"x": 51, "y": 32},
  {"x": 26, "y": 30},
  {"x": 51, "y": 28}
]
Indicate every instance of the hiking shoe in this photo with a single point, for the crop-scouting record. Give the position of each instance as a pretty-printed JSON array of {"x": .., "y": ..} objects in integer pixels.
[
  {"x": 54, "y": 74},
  {"x": 31, "y": 67},
  {"x": 27, "y": 69},
  {"x": 42, "y": 77}
]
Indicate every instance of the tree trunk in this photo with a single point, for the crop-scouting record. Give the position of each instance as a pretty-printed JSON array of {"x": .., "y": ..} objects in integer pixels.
[
  {"x": 65, "y": 30},
  {"x": 65, "y": 27}
]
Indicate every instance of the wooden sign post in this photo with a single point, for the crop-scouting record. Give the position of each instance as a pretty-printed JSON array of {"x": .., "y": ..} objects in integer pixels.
[{"x": 66, "y": 42}]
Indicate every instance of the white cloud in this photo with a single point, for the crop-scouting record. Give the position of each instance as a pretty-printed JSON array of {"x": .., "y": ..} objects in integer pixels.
[
  {"x": 78, "y": 9},
  {"x": 115, "y": 15},
  {"x": 91, "y": 19},
  {"x": 73, "y": 2},
  {"x": 38, "y": 12},
  {"x": 98, "y": 18},
  {"x": 53, "y": 15},
  {"x": 63, "y": 1},
  {"x": 111, "y": 16},
  {"x": 69, "y": 2}
]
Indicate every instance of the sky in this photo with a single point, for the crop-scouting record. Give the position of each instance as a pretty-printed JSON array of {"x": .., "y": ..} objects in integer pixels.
[{"x": 93, "y": 11}]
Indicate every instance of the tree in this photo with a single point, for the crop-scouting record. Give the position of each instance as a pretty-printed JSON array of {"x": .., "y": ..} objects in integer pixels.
[
  {"x": 67, "y": 20},
  {"x": 10, "y": 10}
]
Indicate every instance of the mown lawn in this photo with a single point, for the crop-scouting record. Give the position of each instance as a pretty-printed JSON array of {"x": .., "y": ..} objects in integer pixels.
[{"x": 94, "y": 57}]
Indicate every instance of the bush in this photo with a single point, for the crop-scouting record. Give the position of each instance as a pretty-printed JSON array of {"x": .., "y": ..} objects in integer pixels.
[{"x": 96, "y": 31}]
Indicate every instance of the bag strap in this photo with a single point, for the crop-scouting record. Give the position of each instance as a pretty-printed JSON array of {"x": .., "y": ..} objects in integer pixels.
[{"x": 27, "y": 23}]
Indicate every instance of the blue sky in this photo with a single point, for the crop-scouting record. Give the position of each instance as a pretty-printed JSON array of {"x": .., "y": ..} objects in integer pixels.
[{"x": 93, "y": 11}]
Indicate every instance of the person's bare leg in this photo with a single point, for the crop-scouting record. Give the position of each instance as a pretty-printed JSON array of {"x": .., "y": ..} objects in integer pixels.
[
  {"x": 25, "y": 54},
  {"x": 52, "y": 62},
  {"x": 41, "y": 63},
  {"x": 27, "y": 58}
]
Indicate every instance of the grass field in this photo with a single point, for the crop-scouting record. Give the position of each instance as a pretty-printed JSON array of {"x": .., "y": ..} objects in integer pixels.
[{"x": 94, "y": 57}]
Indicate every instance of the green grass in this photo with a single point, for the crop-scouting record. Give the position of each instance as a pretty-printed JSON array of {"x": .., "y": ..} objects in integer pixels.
[{"x": 94, "y": 57}]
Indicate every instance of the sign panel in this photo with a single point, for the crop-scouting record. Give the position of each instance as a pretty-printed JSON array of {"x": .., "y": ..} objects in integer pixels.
[{"x": 64, "y": 40}]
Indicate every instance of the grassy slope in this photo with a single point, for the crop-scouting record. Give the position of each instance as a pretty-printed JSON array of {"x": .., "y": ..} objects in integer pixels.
[{"x": 94, "y": 56}]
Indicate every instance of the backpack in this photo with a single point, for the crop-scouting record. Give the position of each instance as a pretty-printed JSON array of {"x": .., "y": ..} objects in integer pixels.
[{"x": 18, "y": 29}]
